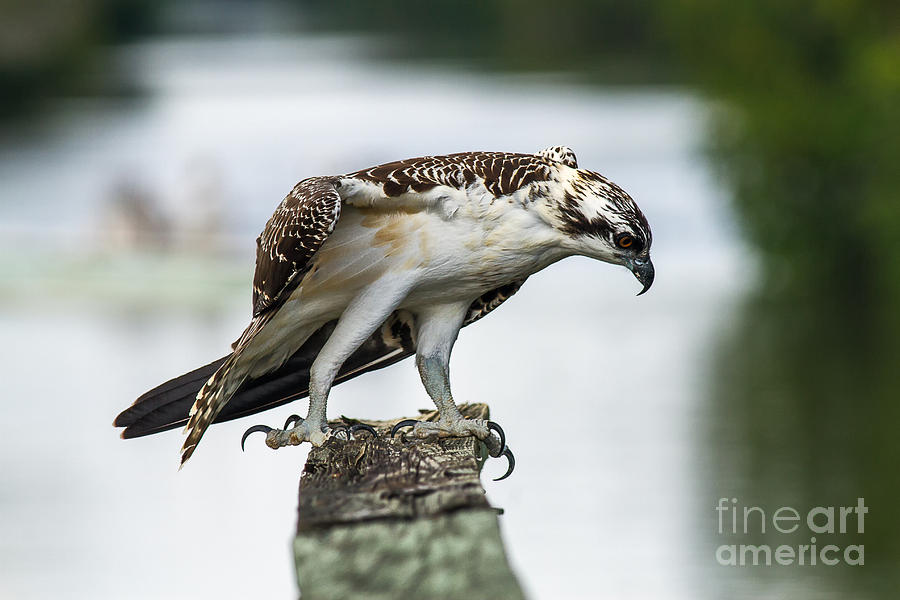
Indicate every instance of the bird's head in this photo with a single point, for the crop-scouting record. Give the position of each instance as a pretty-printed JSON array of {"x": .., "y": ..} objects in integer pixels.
[{"x": 602, "y": 221}]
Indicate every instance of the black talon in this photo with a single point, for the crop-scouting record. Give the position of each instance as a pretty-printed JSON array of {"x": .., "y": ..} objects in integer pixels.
[
  {"x": 401, "y": 425},
  {"x": 263, "y": 428},
  {"x": 512, "y": 463},
  {"x": 492, "y": 426},
  {"x": 291, "y": 421},
  {"x": 364, "y": 427}
]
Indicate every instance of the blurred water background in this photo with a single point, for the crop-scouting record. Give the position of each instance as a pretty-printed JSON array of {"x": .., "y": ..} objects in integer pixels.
[{"x": 143, "y": 145}]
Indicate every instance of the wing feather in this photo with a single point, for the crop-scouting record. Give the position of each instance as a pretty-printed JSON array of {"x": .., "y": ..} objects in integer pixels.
[
  {"x": 292, "y": 236},
  {"x": 502, "y": 172}
]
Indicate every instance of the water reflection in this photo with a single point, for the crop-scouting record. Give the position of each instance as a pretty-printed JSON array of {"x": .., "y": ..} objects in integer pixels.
[{"x": 804, "y": 413}]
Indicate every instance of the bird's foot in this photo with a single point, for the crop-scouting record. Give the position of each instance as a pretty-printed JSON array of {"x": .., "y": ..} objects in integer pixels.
[
  {"x": 478, "y": 428},
  {"x": 297, "y": 430}
]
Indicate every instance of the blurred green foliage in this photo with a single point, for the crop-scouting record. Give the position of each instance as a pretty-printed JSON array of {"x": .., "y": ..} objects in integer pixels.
[
  {"x": 53, "y": 46},
  {"x": 811, "y": 136},
  {"x": 604, "y": 40}
]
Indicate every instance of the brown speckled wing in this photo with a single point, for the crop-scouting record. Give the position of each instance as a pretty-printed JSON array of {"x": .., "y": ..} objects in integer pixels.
[
  {"x": 299, "y": 227},
  {"x": 502, "y": 172}
]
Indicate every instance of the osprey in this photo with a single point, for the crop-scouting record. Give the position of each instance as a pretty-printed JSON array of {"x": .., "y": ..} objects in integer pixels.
[{"x": 356, "y": 272}]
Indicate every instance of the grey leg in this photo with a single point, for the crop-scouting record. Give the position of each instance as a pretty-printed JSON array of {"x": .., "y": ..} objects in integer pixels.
[
  {"x": 438, "y": 329},
  {"x": 360, "y": 319}
]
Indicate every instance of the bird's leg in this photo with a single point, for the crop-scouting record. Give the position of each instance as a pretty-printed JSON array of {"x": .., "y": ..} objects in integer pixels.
[
  {"x": 365, "y": 313},
  {"x": 311, "y": 429},
  {"x": 435, "y": 375},
  {"x": 438, "y": 329},
  {"x": 296, "y": 430}
]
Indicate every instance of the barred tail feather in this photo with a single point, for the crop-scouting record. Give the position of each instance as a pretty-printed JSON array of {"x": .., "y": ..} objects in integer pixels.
[
  {"x": 211, "y": 399},
  {"x": 219, "y": 389}
]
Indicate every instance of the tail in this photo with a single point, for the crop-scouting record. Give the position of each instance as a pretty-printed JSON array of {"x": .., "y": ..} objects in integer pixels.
[
  {"x": 211, "y": 399},
  {"x": 219, "y": 388},
  {"x": 168, "y": 406}
]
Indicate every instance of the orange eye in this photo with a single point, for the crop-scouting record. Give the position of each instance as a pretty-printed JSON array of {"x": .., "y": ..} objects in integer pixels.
[{"x": 626, "y": 241}]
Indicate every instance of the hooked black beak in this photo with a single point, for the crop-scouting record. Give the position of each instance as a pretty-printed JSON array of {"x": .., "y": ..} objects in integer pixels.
[{"x": 643, "y": 271}]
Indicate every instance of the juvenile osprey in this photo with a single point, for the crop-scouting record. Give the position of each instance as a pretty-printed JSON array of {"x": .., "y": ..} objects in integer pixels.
[{"x": 356, "y": 272}]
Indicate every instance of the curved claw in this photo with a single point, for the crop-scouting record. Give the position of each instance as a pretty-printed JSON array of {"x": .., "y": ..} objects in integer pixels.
[
  {"x": 401, "y": 425},
  {"x": 512, "y": 463},
  {"x": 291, "y": 421},
  {"x": 263, "y": 428},
  {"x": 364, "y": 427},
  {"x": 492, "y": 426}
]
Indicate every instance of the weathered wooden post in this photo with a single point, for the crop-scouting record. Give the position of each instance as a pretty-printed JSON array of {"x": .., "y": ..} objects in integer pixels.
[{"x": 392, "y": 519}]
